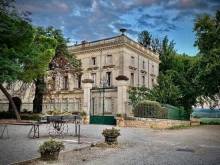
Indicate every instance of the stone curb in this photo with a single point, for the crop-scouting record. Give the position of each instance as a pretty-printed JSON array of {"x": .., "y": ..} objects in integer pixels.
[{"x": 61, "y": 153}]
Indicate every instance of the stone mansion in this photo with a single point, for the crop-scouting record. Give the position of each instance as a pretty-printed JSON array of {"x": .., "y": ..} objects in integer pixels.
[{"x": 95, "y": 89}]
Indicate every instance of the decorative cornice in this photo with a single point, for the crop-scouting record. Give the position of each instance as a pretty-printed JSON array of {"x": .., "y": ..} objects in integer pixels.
[{"x": 113, "y": 42}]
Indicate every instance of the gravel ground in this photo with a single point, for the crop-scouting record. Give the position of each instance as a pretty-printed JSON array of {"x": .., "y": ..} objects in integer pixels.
[
  {"x": 197, "y": 145},
  {"x": 18, "y": 147}
]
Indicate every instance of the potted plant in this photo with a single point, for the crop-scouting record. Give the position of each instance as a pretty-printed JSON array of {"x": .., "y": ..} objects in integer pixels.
[
  {"x": 120, "y": 120},
  {"x": 111, "y": 135},
  {"x": 50, "y": 149},
  {"x": 84, "y": 117}
]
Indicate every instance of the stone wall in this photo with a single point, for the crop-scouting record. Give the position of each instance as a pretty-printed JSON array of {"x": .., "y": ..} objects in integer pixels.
[{"x": 150, "y": 123}]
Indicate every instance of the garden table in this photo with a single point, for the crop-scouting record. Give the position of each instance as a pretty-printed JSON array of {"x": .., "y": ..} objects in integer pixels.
[{"x": 58, "y": 125}]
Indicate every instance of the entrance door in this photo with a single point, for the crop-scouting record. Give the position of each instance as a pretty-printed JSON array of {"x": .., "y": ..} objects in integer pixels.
[{"x": 101, "y": 112}]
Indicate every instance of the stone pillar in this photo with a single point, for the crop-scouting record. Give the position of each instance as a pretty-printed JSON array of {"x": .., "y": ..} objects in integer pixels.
[
  {"x": 87, "y": 86},
  {"x": 122, "y": 94}
]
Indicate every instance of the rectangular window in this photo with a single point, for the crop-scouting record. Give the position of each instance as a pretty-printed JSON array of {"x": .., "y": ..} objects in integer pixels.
[
  {"x": 108, "y": 106},
  {"x": 143, "y": 80},
  {"x": 108, "y": 74},
  {"x": 108, "y": 60},
  {"x": 93, "y": 106},
  {"x": 79, "y": 81},
  {"x": 93, "y": 60},
  {"x": 143, "y": 64},
  {"x": 78, "y": 105},
  {"x": 65, "y": 82},
  {"x": 132, "y": 60},
  {"x": 94, "y": 78},
  {"x": 152, "y": 81},
  {"x": 152, "y": 68},
  {"x": 132, "y": 79},
  {"x": 65, "y": 104}
]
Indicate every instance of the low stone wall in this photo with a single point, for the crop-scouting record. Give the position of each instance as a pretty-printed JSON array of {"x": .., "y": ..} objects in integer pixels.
[{"x": 150, "y": 123}]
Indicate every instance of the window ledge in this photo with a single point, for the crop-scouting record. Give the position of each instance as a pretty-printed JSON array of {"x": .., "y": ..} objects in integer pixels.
[
  {"x": 108, "y": 66},
  {"x": 143, "y": 71},
  {"x": 132, "y": 67},
  {"x": 93, "y": 68}
]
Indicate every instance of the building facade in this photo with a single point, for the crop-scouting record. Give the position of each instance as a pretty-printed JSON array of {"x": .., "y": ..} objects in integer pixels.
[{"x": 101, "y": 61}]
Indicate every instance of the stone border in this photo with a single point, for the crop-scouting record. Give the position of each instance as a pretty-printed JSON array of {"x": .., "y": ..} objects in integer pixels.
[
  {"x": 28, "y": 161},
  {"x": 150, "y": 122}
]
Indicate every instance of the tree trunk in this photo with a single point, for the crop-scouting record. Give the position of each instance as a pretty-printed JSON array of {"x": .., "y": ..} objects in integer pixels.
[
  {"x": 10, "y": 101},
  {"x": 39, "y": 92}
]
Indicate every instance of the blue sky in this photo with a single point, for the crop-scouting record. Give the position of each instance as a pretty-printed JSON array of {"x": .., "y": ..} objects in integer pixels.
[{"x": 96, "y": 19}]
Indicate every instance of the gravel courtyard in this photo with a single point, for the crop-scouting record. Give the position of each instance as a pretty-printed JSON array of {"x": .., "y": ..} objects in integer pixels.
[{"x": 197, "y": 145}]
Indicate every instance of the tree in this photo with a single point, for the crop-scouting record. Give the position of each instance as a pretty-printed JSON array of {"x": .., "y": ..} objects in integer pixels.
[
  {"x": 144, "y": 38},
  {"x": 23, "y": 52},
  {"x": 167, "y": 55},
  {"x": 137, "y": 94},
  {"x": 148, "y": 41},
  {"x": 61, "y": 50},
  {"x": 207, "y": 29},
  {"x": 166, "y": 91}
]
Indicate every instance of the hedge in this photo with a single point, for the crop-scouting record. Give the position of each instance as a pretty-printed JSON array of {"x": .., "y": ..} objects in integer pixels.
[{"x": 149, "y": 109}]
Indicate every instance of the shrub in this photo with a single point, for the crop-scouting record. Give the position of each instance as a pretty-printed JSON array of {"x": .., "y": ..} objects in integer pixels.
[
  {"x": 7, "y": 115},
  {"x": 210, "y": 121},
  {"x": 111, "y": 135},
  {"x": 149, "y": 109},
  {"x": 111, "y": 132},
  {"x": 83, "y": 113},
  {"x": 35, "y": 117},
  {"x": 51, "y": 146}
]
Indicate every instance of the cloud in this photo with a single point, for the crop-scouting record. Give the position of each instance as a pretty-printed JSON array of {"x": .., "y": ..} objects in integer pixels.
[
  {"x": 160, "y": 22},
  {"x": 49, "y": 7},
  {"x": 95, "y": 19}
]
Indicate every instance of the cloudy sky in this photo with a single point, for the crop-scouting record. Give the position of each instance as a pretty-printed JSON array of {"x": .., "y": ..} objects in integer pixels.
[{"x": 95, "y": 19}]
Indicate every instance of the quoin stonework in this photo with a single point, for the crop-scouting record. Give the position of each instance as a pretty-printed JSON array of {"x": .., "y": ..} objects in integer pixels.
[{"x": 94, "y": 88}]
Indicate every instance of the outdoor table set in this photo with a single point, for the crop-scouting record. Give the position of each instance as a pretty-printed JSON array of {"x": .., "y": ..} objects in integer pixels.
[{"x": 57, "y": 126}]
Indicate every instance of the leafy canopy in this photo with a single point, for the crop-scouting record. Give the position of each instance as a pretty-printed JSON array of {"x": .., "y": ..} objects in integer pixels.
[{"x": 24, "y": 52}]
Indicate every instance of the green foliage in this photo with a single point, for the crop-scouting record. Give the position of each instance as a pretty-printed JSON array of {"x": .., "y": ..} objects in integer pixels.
[
  {"x": 61, "y": 48},
  {"x": 148, "y": 41},
  {"x": 24, "y": 116},
  {"x": 144, "y": 38},
  {"x": 35, "y": 117},
  {"x": 179, "y": 127},
  {"x": 24, "y": 53},
  {"x": 51, "y": 146},
  {"x": 15, "y": 36},
  {"x": 7, "y": 115},
  {"x": 137, "y": 94},
  {"x": 210, "y": 121},
  {"x": 83, "y": 114},
  {"x": 166, "y": 92},
  {"x": 111, "y": 132},
  {"x": 149, "y": 109},
  {"x": 167, "y": 54},
  {"x": 207, "y": 29}
]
